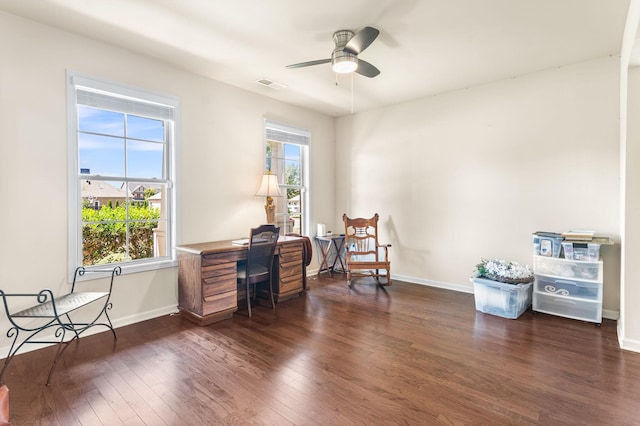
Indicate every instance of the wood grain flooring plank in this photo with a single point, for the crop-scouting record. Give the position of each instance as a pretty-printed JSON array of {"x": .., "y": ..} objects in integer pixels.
[{"x": 404, "y": 354}]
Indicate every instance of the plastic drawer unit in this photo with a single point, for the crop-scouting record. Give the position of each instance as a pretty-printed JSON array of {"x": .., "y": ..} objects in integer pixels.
[
  {"x": 568, "y": 288},
  {"x": 568, "y": 269}
]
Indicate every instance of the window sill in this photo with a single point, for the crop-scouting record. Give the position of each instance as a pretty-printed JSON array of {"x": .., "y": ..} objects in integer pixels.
[{"x": 131, "y": 268}]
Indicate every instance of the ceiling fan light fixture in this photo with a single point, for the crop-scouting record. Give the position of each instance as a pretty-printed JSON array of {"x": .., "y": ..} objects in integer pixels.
[{"x": 343, "y": 62}]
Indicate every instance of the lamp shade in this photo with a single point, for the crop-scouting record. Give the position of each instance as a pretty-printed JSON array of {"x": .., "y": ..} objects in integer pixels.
[{"x": 269, "y": 187}]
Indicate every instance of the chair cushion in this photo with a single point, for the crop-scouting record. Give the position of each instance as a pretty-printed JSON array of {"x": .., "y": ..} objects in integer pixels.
[{"x": 256, "y": 271}]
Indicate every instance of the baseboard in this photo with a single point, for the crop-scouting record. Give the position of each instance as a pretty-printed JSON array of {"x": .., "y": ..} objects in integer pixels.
[
  {"x": 432, "y": 283},
  {"x": 121, "y": 322},
  {"x": 608, "y": 314},
  {"x": 143, "y": 316},
  {"x": 629, "y": 344}
]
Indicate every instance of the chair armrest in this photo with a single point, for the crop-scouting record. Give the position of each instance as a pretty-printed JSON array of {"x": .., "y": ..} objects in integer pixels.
[
  {"x": 43, "y": 296},
  {"x": 80, "y": 271}
]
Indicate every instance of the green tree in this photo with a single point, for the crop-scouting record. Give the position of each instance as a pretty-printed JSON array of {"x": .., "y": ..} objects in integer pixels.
[
  {"x": 149, "y": 192},
  {"x": 292, "y": 177},
  {"x": 104, "y": 233}
]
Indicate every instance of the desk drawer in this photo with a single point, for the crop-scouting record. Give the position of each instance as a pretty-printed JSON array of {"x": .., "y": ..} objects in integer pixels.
[
  {"x": 219, "y": 302},
  {"x": 290, "y": 284},
  {"x": 219, "y": 270},
  {"x": 219, "y": 285},
  {"x": 218, "y": 258},
  {"x": 294, "y": 256},
  {"x": 291, "y": 270}
]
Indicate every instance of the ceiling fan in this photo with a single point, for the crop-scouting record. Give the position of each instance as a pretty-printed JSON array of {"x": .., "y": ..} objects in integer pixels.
[{"x": 344, "y": 58}]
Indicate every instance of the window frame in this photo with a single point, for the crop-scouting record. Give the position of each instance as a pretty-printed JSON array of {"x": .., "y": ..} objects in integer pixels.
[
  {"x": 77, "y": 80},
  {"x": 296, "y": 136}
]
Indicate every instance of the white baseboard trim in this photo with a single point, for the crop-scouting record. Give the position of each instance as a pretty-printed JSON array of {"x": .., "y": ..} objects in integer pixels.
[
  {"x": 121, "y": 322},
  {"x": 432, "y": 283},
  {"x": 608, "y": 314},
  {"x": 629, "y": 344},
  {"x": 143, "y": 316},
  {"x": 312, "y": 272}
]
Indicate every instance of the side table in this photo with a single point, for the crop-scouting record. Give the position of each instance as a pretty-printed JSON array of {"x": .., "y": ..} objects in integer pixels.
[{"x": 330, "y": 248}]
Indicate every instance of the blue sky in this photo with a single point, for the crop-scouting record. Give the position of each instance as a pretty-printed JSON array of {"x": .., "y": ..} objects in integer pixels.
[{"x": 103, "y": 150}]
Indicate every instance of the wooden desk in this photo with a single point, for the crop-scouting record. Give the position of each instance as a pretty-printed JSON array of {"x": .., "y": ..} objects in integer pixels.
[{"x": 207, "y": 277}]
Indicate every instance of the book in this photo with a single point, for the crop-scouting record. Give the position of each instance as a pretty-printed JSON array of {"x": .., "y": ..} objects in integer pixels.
[
  {"x": 547, "y": 234},
  {"x": 580, "y": 235},
  {"x": 241, "y": 242}
]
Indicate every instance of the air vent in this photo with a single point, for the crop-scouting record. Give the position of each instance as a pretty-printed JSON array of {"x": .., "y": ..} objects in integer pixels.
[{"x": 270, "y": 83}]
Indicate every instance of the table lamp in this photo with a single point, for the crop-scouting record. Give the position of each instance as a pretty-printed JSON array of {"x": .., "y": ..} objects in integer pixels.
[{"x": 269, "y": 188}]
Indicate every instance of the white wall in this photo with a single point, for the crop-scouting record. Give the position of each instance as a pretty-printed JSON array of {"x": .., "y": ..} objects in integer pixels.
[
  {"x": 630, "y": 334},
  {"x": 472, "y": 173},
  {"x": 220, "y": 159}
]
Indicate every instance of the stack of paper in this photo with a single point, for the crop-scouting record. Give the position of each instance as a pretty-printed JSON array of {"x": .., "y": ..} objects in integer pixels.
[{"x": 241, "y": 242}]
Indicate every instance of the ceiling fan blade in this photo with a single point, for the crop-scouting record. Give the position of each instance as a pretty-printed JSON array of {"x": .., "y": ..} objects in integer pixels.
[
  {"x": 310, "y": 63},
  {"x": 361, "y": 40},
  {"x": 366, "y": 69}
]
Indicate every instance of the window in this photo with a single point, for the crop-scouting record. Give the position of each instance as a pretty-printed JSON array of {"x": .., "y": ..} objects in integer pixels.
[
  {"x": 121, "y": 192},
  {"x": 287, "y": 157}
]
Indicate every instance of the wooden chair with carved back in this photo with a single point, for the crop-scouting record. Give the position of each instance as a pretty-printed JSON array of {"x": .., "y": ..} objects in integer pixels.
[{"x": 365, "y": 256}]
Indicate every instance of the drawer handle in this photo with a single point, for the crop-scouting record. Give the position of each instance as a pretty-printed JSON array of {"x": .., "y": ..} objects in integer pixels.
[
  {"x": 568, "y": 302},
  {"x": 565, "y": 282},
  {"x": 553, "y": 290}
]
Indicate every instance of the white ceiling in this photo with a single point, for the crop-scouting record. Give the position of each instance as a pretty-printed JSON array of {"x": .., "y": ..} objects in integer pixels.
[{"x": 425, "y": 47}]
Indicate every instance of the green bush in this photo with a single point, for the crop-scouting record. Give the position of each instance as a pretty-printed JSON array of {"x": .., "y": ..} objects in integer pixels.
[{"x": 104, "y": 233}]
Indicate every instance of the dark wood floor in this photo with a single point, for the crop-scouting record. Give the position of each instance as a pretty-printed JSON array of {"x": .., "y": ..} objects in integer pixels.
[{"x": 406, "y": 354}]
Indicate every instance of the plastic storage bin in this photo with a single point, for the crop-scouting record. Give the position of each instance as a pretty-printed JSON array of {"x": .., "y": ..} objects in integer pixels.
[
  {"x": 547, "y": 244},
  {"x": 580, "y": 270},
  {"x": 567, "y": 307},
  {"x": 587, "y": 290},
  {"x": 501, "y": 299}
]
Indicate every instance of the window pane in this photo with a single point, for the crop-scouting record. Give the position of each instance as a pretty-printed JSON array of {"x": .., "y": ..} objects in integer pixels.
[
  {"x": 103, "y": 223},
  {"x": 101, "y": 155},
  {"x": 145, "y": 159},
  {"x": 147, "y": 228},
  {"x": 145, "y": 128},
  {"x": 106, "y": 237},
  {"x": 292, "y": 173},
  {"x": 286, "y": 162},
  {"x": 141, "y": 237},
  {"x": 100, "y": 121},
  {"x": 292, "y": 152}
]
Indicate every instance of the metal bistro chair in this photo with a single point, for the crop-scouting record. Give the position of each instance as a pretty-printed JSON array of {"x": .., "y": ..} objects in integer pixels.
[
  {"x": 262, "y": 246},
  {"x": 365, "y": 256}
]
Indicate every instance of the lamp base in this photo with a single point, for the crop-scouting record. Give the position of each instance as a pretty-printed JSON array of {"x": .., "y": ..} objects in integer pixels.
[{"x": 270, "y": 210}]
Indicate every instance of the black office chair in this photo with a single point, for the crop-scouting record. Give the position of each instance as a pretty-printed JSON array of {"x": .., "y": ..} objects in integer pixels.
[{"x": 262, "y": 246}]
